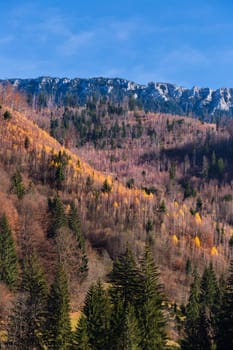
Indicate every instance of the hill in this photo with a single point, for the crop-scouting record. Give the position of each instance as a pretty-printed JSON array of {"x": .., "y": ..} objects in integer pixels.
[
  {"x": 205, "y": 103},
  {"x": 100, "y": 178}
]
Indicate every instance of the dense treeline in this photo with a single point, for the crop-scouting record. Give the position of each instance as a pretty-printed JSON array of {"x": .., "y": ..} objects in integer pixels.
[
  {"x": 170, "y": 188},
  {"x": 128, "y": 313}
]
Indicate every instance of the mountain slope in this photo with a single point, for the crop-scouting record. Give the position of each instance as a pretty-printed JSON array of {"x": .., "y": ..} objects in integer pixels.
[{"x": 164, "y": 97}]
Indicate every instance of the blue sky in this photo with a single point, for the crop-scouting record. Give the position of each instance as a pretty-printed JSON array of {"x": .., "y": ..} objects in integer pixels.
[{"x": 183, "y": 42}]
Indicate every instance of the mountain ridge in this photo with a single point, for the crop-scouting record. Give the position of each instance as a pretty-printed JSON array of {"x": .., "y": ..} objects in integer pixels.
[{"x": 205, "y": 103}]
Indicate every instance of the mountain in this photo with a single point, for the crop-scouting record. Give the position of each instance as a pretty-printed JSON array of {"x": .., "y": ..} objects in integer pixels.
[{"x": 204, "y": 103}]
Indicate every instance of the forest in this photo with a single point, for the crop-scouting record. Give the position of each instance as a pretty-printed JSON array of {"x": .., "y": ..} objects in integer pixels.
[{"x": 116, "y": 227}]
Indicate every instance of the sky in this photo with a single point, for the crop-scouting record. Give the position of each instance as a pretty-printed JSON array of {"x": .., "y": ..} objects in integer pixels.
[{"x": 177, "y": 41}]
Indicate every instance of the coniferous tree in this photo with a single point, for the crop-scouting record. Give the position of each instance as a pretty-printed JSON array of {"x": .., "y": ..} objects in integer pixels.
[
  {"x": 117, "y": 322},
  {"x": 97, "y": 313},
  {"x": 126, "y": 279},
  {"x": 74, "y": 225},
  {"x": 125, "y": 292},
  {"x": 80, "y": 337},
  {"x": 224, "y": 326},
  {"x": 192, "y": 316},
  {"x": 17, "y": 185},
  {"x": 58, "y": 327},
  {"x": 150, "y": 310},
  {"x": 201, "y": 312},
  {"x": 131, "y": 336},
  {"x": 209, "y": 294},
  {"x": 27, "y": 321},
  {"x": 57, "y": 216},
  {"x": 8, "y": 257}
]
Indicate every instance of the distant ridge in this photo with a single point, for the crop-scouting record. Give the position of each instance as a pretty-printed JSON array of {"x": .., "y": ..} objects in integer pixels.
[{"x": 204, "y": 103}]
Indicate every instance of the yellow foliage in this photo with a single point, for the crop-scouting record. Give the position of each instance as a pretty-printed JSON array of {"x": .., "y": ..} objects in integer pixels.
[
  {"x": 67, "y": 209},
  {"x": 185, "y": 207},
  {"x": 214, "y": 251},
  {"x": 176, "y": 204},
  {"x": 115, "y": 204},
  {"x": 74, "y": 318},
  {"x": 181, "y": 212},
  {"x": 198, "y": 218},
  {"x": 197, "y": 241},
  {"x": 175, "y": 239}
]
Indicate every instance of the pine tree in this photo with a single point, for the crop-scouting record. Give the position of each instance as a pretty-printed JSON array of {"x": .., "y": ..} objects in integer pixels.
[
  {"x": 224, "y": 336},
  {"x": 58, "y": 325},
  {"x": 57, "y": 216},
  {"x": 125, "y": 292},
  {"x": 97, "y": 313},
  {"x": 192, "y": 315},
  {"x": 150, "y": 310},
  {"x": 125, "y": 279},
  {"x": 201, "y": 312},
  {"x": 80, "y": 337},
  {"x": 117, "y": 322},
  {"x": 209, "y": 294},
  {"x": 74, "y": 225},
  {"x": 8, "y": 257},
  {"x": 17, "y": 184},
  {"x": 27, "y": 322},
  {"x": 131, "y": 334}
]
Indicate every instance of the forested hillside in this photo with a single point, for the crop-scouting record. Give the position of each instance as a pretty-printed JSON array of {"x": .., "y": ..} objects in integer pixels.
[{"x": 108, "y": 216}]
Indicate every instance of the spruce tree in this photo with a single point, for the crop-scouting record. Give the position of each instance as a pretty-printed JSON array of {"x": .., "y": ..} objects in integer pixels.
[
  {"x": 125, "y": 291},
  {"x": 57, "y": 216},
  {"x": 27, "y": 322},
  {"x": 224, "y": 326},
  {"x": 117, "y": 322},
  {"x": 150, "y": 310},
  {"x": 80, "y": 337},
  {"x": 209, "y": 301},
  {"x": 131, "y": 334},
  {"x": 8, "y": 257},
  {"x": 192, "y": 316},
  {"x": 74, "y": 225},
  {"x": 58, "y": 327},
  {"x": 201, "y": 312},
  {"x": 97, "y": 313},
  {"x": 125, "y": 279}
]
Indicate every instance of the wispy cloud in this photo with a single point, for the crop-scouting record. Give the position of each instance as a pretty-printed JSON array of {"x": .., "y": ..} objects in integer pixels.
[{"x": 75, "y": 42}]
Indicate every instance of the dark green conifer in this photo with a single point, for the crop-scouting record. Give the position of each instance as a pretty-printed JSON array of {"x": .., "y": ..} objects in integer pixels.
[
  {"x": 126, "y": 279},
  {"x": 131, "y": 336},
  {"x": 97, "y": 313},
  {"x": 17, "y": 184},
  {"x": 58, "y": 327},
  {"x": 27, "y": 323},
  {"x": 57, "y": 216},
  {"x": 192, "y": 315},
  {"x": 150, "y": 309},
  {"x": 224, "y": 326},
  {"x": 8, "y": 257},
  {"x": 80, "y": 337},
  {"x": 74, "y": 225},
  {"x": 209, "y": 305}
]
